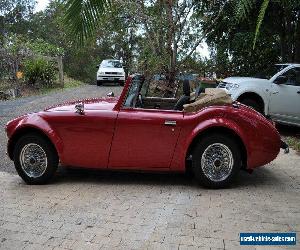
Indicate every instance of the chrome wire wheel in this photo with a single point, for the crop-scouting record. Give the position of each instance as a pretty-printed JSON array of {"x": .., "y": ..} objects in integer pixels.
[
  {"x": 217, "y": 162},
  {"x": 33, "y": 160}
]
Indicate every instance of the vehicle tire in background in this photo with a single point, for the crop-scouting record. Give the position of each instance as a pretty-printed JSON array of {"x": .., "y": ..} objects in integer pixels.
[
  {"x": 35, "y": 159},
  {"x": 122, "y": 83},
  {"x": 216, "y": 160},
  {"x": 99, "y": 83},
  {"x": 253, "y": 104}
]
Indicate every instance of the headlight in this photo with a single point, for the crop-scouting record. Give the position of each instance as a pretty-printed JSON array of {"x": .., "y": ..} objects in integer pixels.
[
  {"x": 101, "y": 73},
  {"x": 231, "y": 86}
]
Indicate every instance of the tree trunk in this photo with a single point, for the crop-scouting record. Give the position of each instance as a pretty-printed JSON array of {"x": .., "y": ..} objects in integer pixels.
[
  {"x": 170, "y": 43},
  {"x": 289, "y": 34},
  {"x": 297, "y": 40}
]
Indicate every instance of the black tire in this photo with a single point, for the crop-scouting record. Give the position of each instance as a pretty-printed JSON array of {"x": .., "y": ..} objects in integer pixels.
[
  {"x": 99, "y": 83},
  {"x": 253, "y": 104},
  {"x": 51, "y": 155},
  {"x": 122, "y": 83},
  {"x": 215, "y": 140}
]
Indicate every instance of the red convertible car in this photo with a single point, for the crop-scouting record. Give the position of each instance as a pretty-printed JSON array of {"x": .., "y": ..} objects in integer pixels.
[{"x": 138, "y": 132}]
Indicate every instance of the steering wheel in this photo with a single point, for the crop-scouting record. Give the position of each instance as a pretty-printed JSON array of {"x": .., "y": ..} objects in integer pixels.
[{"x": 140, "y": 102}]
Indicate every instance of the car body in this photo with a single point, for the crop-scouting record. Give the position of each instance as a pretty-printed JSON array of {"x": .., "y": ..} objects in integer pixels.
[
  {"x": 277, "y": 96},
  {"x": 117, "y": 133},
  {"x": 110, "y": 70}
]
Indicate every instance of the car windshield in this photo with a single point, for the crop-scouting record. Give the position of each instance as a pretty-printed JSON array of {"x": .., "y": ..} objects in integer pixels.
[
  {"x": 111, "y": 64},
  {"x": 270, "y": 72}
]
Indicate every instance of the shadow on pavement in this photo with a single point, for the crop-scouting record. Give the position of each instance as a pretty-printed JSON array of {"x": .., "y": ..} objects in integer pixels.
[{"x": 262, "y": 176}]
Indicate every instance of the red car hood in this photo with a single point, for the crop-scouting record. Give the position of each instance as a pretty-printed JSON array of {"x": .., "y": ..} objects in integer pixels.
[{"x": 106, "y": 103}]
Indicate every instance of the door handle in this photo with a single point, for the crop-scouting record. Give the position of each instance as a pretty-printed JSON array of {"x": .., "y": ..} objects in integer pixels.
[
  {"x": 276, "y": 92},
  {"x": 170, "y": 123}
]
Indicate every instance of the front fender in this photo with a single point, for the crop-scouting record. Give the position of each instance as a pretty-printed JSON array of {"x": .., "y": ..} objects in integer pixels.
[{"x": 31, "y": 123}]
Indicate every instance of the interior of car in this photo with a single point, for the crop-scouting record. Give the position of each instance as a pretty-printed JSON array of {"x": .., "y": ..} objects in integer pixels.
[{"x": 151, "y": 94}]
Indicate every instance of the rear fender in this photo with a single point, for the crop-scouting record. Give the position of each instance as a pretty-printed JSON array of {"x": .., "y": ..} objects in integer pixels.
[{"x": 185, "y": 145}]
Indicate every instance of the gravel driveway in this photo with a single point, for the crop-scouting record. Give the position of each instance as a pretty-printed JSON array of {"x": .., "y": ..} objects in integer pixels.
[{"x": 13, "y": 108}]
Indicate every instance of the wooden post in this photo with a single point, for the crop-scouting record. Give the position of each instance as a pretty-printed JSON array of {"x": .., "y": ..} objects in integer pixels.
[{"x": 60, "y": 71}]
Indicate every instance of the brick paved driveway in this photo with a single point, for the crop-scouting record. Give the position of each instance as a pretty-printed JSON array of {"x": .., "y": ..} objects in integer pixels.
[{"x": 103, "y": 210}]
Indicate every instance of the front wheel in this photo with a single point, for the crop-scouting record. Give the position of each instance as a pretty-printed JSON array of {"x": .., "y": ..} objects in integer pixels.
[
  {"x": 35, "y": 159},
  {"x": 216, "y": 160},
  {"x": 99, "y": 83}
]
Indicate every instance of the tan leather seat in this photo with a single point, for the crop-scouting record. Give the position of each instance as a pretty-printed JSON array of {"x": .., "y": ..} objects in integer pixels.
[{"x": 212, "y": 96}]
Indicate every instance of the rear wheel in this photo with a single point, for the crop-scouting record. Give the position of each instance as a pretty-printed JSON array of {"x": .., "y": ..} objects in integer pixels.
[
  {"x": 216, "y": 161},
  {"x": 35, "y": 159},
  {"x": 253, "y": 104}
]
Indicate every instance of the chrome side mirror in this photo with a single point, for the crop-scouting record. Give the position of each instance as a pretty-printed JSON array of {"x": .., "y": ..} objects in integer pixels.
[
  {"x": 110, "y": 94},
  {"x": 80, "y": 108}
]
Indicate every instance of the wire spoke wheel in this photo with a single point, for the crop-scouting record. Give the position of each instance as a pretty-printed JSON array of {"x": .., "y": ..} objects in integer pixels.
[
  {"x": 33, "y": 160},
  {"x": 217, "y": 162}
]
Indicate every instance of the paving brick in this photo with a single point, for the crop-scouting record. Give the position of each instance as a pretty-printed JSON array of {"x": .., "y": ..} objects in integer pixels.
[{"x": 156, "y": 212}]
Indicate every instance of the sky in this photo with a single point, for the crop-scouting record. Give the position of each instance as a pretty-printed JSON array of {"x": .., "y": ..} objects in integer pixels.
[{"x": 41, "y": 5}]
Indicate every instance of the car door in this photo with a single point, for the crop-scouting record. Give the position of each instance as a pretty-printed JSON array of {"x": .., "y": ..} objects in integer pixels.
[
  {"x": 145, "y": 138},
  {"x": 86, "y": 138},
  {"x": 285, "y": 98}
]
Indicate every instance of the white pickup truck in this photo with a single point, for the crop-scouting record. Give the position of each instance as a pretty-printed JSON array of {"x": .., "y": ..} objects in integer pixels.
[{"x": 276, "y": 95}]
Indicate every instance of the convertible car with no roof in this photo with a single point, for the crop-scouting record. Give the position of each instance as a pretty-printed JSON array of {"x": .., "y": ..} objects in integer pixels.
[{"x": 137, "y": 131}]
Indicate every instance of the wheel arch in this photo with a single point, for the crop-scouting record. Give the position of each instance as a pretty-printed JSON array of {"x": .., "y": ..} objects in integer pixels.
[
  {"x": 218, "y": 129},
  {"x": 252, "y": 95},
  {"x": 27, "y": 130}
]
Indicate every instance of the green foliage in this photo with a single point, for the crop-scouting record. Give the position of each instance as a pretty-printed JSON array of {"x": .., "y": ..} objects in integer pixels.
[
  {"x": 39, "y": 71},
  {"x": 260, "y": 19},
  {"x": 14, "y": 16},
  {"x": 80, "y": 63},
  {"x": 284, "y": 17},
  {"x": 293, "y": 142},
  {"x": 40, "y": 47},
  {"x": 83, "y": 17}
]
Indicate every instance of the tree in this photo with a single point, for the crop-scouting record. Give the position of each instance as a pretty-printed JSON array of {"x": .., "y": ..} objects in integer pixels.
[
  {"x": 14, "y": 16},
  {"x": 230, "y": 40},
  {"x": 168, "y": 31},
  {"x": 285, "y": 16}
]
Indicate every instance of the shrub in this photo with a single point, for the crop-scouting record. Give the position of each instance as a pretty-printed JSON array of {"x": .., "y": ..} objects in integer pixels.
[{"x": 39, "y": 71}]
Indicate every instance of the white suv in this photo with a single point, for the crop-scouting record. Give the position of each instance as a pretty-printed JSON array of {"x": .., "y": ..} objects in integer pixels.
[
  {"x": 276, "y": 95},
  {"x": 110, "y": 71}
]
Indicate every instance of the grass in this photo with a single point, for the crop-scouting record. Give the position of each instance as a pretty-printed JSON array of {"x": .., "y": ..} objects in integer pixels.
[
  {"x": 293, "y": 142},
  {"x": 72, "y": 83},
  {"x": 291, "y": 135},
  {"x": 43, "y": 90}
]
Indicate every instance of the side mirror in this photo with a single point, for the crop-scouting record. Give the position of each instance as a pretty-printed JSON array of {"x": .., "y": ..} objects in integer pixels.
[
  {"x": 110, "y": 94},
  {"x": 281, "y": 80},
  {"x": 97, "y": 66}
]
